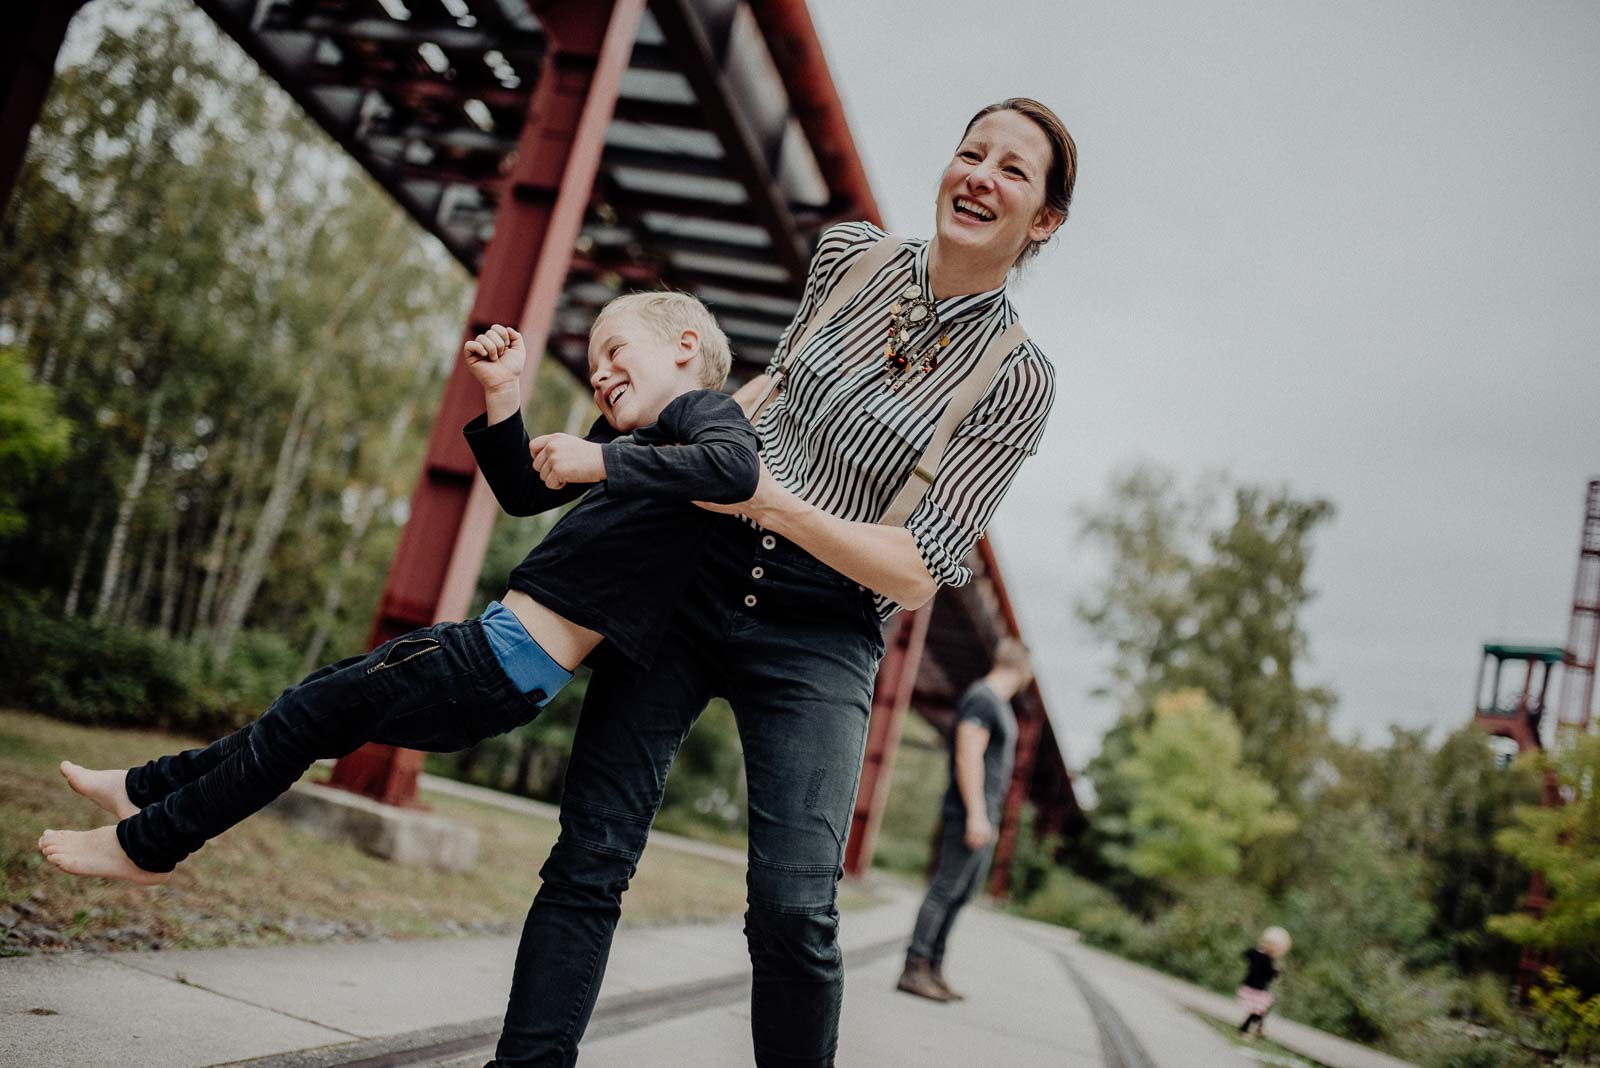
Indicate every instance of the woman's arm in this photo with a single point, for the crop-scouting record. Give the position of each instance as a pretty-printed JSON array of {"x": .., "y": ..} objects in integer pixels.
[
  {"x": 749, "y": 395},
  {"x": 883, "y": 559}
]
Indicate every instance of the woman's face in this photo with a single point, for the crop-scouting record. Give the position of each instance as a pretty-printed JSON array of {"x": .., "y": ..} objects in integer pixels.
[{"x": 991, "y": 197}]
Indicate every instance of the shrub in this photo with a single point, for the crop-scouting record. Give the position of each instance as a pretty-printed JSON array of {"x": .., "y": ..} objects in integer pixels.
[
  {"x": 92, "y": 673},
  {"x": 1066, "y": 899},
  {"x": 108, "y": 675},
  {"x": 1566, "y": 1016}
]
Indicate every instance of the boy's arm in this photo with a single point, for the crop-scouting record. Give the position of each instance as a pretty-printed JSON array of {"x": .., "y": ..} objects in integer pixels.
[
  {"x": 703, "y": 450},
  {"x": 501, "y": 450}
]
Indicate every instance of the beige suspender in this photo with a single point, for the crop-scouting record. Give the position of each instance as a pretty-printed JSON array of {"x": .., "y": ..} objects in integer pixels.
[
  {"x": 961, "y": 404},
  {"x": 854, "y": 281}
]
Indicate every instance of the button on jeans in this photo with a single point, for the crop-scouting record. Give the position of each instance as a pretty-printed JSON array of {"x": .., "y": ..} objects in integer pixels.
[
  {"x": 438, "y": 689},
  {"x": 798, "y": 666}
]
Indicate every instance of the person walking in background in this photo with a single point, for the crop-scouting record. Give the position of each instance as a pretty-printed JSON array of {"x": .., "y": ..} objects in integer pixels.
[
  {"x": 1261, "y": 968},
  {"x": 981, "y": 756}
]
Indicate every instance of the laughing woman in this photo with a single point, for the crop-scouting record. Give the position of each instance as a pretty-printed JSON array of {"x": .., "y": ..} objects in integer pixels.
[{"x": 901, "y": 403}]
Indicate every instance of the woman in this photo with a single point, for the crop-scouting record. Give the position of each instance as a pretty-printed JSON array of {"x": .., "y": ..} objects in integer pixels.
[{"x": 785, "y": 620}]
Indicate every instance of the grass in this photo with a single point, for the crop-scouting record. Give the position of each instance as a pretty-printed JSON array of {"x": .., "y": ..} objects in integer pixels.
[
  {"x": 1262, "y": 1050},
  {"x": 267, "y": 882}
]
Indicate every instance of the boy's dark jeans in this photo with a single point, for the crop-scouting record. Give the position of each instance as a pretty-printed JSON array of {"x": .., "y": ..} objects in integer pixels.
[
  {"x": 439, "y": 689},
  {"x": 794, "y": 647},
  {"x": 956, "y": 878}
]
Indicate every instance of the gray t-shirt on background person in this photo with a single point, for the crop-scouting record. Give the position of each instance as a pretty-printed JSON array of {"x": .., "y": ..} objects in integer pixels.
[{"x": 983, "y": 706}]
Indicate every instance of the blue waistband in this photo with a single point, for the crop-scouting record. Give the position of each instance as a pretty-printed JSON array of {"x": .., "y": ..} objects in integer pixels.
[{"x": 524, "y": 660}]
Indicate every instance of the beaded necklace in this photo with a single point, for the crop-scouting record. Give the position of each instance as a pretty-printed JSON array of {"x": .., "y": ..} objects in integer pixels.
[{"x": 912, "y": 311}]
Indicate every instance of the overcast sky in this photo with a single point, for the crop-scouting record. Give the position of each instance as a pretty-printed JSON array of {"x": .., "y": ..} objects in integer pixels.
[{"x": 1353, "y": 248}]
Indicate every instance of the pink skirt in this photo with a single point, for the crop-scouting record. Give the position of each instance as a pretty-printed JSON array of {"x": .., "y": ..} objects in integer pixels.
[{"x": 1254, "y": 1002}]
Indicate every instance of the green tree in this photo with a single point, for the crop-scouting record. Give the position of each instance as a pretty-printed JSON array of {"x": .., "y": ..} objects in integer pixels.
[
  {"x": 1563, "y": 845},
  {"x": 1195, "y": 806},
  {"x": 1194, "y": 600},
  {"x": 33, "y": 437},
  {"x": 229, "y": 312}
]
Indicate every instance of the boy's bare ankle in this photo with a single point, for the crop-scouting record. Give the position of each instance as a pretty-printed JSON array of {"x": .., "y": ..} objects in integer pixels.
[
  {"x": 95, "y": 853},
  {"x": 106, "y": 788}
]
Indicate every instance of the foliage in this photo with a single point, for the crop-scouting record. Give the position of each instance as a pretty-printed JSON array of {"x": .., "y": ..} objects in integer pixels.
[
  {"x": 1191, "y": 601},
  {"x": 1563, "y": 845},
  {"x": 1194, "y": 806},
  {"x": 1566, "y": 1015},
  {"x": 1033, "y": 856},
  {"x": 228, "y": 313},
  {"x": 1390, "y": 870},
  {"x": 33, "y": 436},
  {"x": 111, "y": 675}
]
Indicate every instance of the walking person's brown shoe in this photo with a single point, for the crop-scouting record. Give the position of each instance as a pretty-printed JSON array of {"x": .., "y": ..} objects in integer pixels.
[
  {"x": 936, "y": 972},
  {"x": 918, "y": 979}
]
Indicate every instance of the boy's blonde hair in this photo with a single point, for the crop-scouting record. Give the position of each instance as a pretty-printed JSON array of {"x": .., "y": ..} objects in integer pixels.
[
  {"x": 670, "y": 313},
  {"x": 1275, "y": 940}
]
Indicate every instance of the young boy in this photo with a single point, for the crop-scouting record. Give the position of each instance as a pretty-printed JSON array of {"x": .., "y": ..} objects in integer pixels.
[{"x": 610, "y": 569}]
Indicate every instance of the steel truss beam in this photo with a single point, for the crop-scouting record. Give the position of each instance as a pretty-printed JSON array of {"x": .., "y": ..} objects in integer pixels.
[
  {"x": 524, "y": 46},
  {"x": 897, "y": 675},
  {"x": 524, "y": 269},
  {"x": 751, "y": 150},
  {"x": 35, "y": 30}
]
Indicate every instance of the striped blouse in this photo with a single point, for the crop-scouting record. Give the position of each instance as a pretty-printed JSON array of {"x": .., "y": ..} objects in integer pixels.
[{"x": 836, "y": 437}]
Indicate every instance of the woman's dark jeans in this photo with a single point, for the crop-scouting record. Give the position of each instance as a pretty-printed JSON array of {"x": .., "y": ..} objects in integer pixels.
[
  {"x": 438, "y": 689},
  {"x": 794, "y": 647},
  {"x": 956, "y": 879}
]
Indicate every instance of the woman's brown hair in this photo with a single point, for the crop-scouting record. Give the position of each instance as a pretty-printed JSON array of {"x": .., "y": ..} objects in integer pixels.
[{"x": 1063, "y": 171}]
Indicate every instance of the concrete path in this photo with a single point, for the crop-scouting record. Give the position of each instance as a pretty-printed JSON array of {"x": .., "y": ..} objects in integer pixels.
[
  {"x": 673, "y": 996},
  {"x": 1134, "y": 982}
]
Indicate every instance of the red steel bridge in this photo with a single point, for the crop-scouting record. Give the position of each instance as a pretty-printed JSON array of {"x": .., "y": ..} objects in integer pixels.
[{"x": 561, "y": 150}]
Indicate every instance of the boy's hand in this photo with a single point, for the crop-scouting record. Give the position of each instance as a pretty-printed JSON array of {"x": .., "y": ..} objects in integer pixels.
[
  {"x": 562, "y": 458},
  {"x": 496, "y": 358},
  {"x": 979, "y": 830}
]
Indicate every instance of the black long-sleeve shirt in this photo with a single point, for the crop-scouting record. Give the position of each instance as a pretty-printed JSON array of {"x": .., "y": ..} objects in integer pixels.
[
  {"x": 619, "y": 561},
  {"x": 1260, "y": 969}
]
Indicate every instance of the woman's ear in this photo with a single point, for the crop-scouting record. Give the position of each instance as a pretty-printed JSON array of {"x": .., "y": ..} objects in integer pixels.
[
  {"x": 688, "y": 346},
  {"x": 1044, "y": 224}
]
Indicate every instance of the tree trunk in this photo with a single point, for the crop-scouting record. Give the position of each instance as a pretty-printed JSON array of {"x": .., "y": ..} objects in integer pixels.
[
  {"x": 294, "y": 457},
  {"x": 366, "y": 509},
  {"x": 80, "y": 567},
  {"x": 130, "y": 499},
  {"x": 169, "y": 583},
  {"x": 131, "y": 611},
  {"x": 201, "y": 617}
]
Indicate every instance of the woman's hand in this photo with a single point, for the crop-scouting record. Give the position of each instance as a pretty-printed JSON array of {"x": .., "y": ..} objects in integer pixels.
[
  {"x": 883, "y": 559},
  {"x": 562, "y": 458}
]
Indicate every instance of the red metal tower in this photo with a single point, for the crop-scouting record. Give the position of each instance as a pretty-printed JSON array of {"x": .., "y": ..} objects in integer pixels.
[
  {"x": 1519, "y": 719},
  {"x": 1576, "y": 703}
]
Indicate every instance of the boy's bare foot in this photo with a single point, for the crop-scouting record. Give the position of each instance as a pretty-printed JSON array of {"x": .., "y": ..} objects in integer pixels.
[
  {"x": 97, "y": 853},
  {"x": 108, "y": 789}
]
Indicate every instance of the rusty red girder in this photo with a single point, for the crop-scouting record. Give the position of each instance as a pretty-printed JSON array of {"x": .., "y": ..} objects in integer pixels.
[
  {"x": 1576, "y": 704},
  {"x": 28, "y": 48},
  {"x": 897, "y": 677},
  {"x": 1031, "y": 733},
  {"x": 797, "y": 53},
  {"x": 538, "y": 220}
]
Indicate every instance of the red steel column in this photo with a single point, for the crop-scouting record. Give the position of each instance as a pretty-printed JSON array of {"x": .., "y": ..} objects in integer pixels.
[
  {"x": 524, "y": 267},
  {"x": 897, "y": 679},
  {"x": 30, "y": 38},
  {"x": 1030, "y": 732}
]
